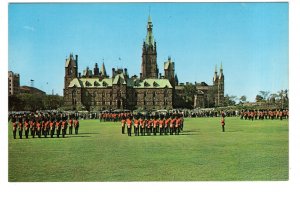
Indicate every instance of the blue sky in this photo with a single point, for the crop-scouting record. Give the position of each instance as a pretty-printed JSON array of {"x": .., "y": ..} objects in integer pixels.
[{"x": 250, "y": 39}]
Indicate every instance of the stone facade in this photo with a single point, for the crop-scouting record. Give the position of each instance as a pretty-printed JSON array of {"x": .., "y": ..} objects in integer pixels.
[
  {"x": 95, "y": 90},
  {"x": 13, "y": 83}
]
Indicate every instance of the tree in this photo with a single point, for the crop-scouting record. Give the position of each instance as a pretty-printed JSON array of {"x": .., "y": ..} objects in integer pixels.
[
  {"x": 243, "y": 99},
  {"x": 190, "y": 91},
  {"x": 283, "y": 95},
  {"x": 229, "y": 100},
  {"x": 264, "y": 94},
  {"x": 273, "y": 98},
  {"x": 258, "y": 98}
]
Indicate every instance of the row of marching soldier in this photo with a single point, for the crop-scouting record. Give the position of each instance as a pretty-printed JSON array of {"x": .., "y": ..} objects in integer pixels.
[
  {"x": 44, "y": 125},
  {"x": 152, "y": 125}
]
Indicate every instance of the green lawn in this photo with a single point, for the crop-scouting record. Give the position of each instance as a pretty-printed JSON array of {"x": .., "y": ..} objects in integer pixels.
[{"x": 248, "y": 150}]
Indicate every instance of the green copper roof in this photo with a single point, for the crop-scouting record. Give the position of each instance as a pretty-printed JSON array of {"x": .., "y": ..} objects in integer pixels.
[
  {"x": 90, "y": 83},
  {"x": 149, "y": 37},
  {"x": 119, "y": 78},
  {"x": 153, "y": 83}
]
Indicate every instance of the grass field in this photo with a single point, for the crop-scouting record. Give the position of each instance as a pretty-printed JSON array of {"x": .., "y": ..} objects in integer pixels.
[{"x": 248, "y": 150}]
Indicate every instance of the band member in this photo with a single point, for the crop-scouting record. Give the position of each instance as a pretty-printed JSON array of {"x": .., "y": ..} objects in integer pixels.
[
  {"x": 76, "y": 125},
  {"x": 123, "y": 121},
  {"x": 129, "y": 124},
  {"x": 136, "y": 126}
]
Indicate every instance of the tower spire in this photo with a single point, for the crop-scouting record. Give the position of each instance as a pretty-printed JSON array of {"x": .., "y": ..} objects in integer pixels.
[{"x": 149, "y": 37}]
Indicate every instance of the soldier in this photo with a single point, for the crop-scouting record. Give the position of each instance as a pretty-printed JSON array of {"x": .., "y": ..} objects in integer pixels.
[
  {"x": 45, "y": 127},
  {"x": 129, "y": 124},
  {"x": 136, "y": 126},
  {"x": 32, "y": 127},
  {"x": 14, "y": 126},
  {"x": 123, "y": 121},
  {"x": 148, "y": 125},
  {"x": 52, "y": 127},
  {"x": 142, "y": 126},
  {"x": 155, "y": 125},
  {"x": 161, "y": 125},
  {"x": 223, "y": 123},
  {"x": 38, "y": 128},
  {"x": 177, "y": 125},
  {"x": 20, "y": 127},
  {"x": 48, "y": 126},
  {"x": 76, "y": 125},
  {"x": 70, "y": 126},
  {"x": 167, "y": 124},
  {"x": 64, "y": 126},
  {"x": 26, "y": 124},
  {"x": 172, "y": 124},
  {"x": 280, "y": 114},
  {"x": 181, "y": 122},
  {"x": 58, "y": 127}
]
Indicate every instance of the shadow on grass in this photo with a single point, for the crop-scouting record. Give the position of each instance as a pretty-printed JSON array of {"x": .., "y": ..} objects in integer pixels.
[{"x": 71, "y": 136}]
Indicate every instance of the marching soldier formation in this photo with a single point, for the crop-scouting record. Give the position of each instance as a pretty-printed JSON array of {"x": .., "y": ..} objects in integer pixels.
[
  {"x": 39, "y": 124},
  {"x": 264, "y": 114},
  {"x": 142, "y": 125}
]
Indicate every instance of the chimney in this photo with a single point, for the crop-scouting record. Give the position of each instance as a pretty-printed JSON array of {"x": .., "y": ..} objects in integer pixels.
[
  {"x": 140, "y": 75},
  {"x": 79, "y": 74},
  {"x": 160, "y": 75}
]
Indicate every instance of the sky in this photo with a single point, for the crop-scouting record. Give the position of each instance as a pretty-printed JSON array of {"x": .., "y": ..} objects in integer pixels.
[{"x": 249, "y": 39}]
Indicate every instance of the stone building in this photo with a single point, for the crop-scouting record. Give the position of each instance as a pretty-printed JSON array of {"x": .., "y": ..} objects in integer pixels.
[
  {"x": 13, "y": 83},
  {"x": 95, "y": 90}
]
